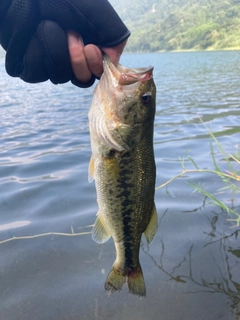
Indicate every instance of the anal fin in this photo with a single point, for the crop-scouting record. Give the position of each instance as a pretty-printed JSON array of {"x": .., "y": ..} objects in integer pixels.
[{"x": 99, "y": 233}]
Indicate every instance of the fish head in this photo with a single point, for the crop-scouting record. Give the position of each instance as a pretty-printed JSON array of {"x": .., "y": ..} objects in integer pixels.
[
  {"x": 123, "y": 106},
  {"x": 130, "y": 93}
]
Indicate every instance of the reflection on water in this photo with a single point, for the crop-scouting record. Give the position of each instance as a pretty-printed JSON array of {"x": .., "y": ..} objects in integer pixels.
[
  {"x": 13, "y": 225},
  {"x": 220, "y": 251},
  {"x": 191, "y": 270}
]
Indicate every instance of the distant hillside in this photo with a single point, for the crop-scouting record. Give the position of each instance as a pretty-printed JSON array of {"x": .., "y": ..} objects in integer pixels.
[{"x": 180, "y": 24}]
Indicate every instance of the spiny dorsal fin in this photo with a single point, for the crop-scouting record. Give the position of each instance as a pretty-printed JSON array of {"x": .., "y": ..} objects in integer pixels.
[
  {"x": 99, "y": 232},
  {"x": 152, "y": 226},
  {"x": 91, "y": 170}
]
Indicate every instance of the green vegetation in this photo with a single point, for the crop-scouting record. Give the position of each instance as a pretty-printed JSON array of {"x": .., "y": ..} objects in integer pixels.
[
  {"x": 229, "y": 179},
  {"x": 180, "y": 24}
]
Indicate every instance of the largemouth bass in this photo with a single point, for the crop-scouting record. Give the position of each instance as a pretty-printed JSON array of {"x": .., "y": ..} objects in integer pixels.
[{"x": 121, "y": 120}]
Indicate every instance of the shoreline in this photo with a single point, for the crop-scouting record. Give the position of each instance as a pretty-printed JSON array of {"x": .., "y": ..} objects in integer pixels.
[
  {"x": 183, "y": 50},
  {"x": 3, "y": 53}
]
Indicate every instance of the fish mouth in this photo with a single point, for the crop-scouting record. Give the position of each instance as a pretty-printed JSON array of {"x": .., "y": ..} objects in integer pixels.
[{"x": 126, "y": 76}]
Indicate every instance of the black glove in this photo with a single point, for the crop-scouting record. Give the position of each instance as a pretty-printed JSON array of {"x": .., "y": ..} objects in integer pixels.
[{"x": 33, "y": 32}]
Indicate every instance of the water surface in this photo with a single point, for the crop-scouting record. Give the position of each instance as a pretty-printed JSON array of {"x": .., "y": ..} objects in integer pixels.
[{"x": 192, "y": 268}]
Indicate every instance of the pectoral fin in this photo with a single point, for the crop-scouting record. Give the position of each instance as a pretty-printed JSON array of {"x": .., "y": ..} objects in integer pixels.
[
  {"x": 99, "y": 233},
  {"x": 91, "y": 170},
  {"x": 152, "y": 226}
]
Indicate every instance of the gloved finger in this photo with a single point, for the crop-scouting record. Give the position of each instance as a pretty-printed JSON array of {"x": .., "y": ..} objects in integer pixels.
[
  {"x": 96, "y": 20},
  {"x": 47, "y": 56},
  {"x": 17, "y": 25}
]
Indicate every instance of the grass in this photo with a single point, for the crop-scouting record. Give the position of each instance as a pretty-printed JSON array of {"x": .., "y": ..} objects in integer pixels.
[
  {"x": 72, "y": 234},
  {"x": 230, "y": 178}
]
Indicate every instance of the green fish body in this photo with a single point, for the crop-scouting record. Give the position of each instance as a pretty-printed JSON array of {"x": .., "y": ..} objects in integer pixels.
[{"x": 121, "y": 120}]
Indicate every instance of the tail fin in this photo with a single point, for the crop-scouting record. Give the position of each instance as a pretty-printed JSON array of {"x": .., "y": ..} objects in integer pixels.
[
  {"x": 115, "y": 280},
  {"x": 117, "y": 277},
  {"x": 136, "y": 282}
]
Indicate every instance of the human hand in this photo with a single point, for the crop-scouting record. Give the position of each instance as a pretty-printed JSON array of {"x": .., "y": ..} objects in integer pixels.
[
  {"x": 86, "y": 60},
  {"x": 34, "y": 34}
]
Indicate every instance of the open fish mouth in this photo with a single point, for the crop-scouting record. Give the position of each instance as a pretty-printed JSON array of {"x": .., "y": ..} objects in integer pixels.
[{"x": 126, "y": 76}]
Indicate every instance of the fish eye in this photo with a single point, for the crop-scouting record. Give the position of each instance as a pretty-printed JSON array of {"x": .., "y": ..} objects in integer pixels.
[{"x": 146, "y": 97}]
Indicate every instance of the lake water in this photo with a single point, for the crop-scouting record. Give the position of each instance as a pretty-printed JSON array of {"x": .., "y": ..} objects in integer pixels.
[{"x": 192, "y": 269}]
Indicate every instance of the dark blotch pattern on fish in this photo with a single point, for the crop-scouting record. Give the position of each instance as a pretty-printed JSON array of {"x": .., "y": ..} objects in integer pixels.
[{"x": 126, "y": 187}]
